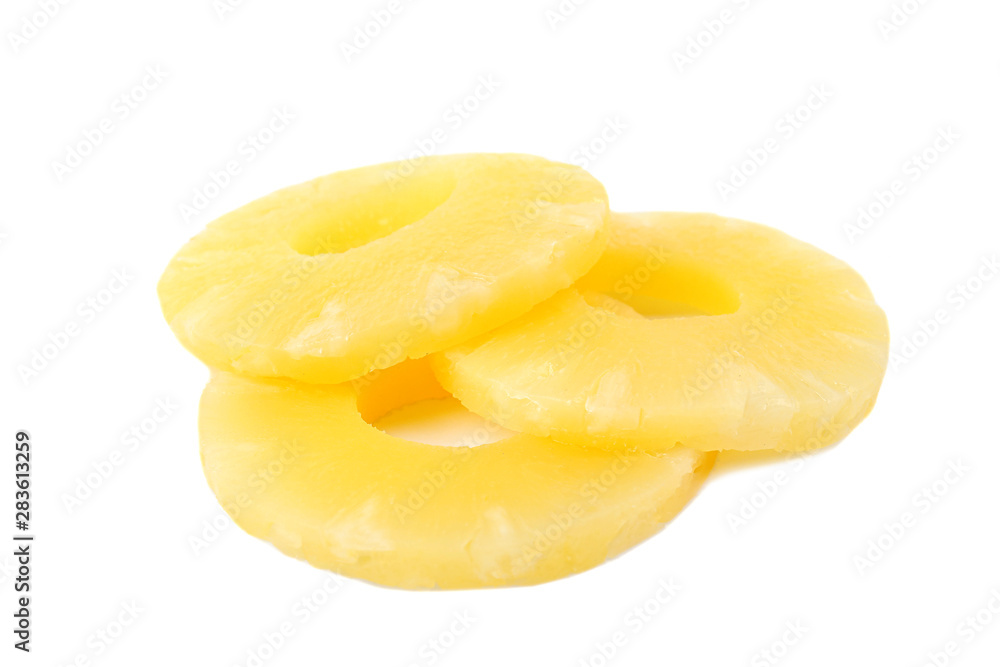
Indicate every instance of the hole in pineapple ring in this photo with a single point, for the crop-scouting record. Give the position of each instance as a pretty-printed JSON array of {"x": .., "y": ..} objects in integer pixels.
[
  {"x": 655, "y": 288},
  {"x": 376, "y": 211},
  {"x": 406, "y": 401},
  {"x": 440, "y": 421}
]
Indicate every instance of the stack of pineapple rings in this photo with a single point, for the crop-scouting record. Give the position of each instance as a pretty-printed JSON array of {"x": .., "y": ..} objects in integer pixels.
[{"x": 623, "y": 351}]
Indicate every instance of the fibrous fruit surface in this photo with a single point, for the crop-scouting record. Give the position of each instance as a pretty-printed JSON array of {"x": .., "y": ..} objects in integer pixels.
[
  {"x": 692, "y": 329},
  {"x": 359, "y": 270},
  {"x": 301, "y": 466}
]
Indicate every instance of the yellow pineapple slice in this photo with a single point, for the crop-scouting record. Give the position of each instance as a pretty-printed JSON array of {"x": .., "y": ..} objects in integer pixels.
[
  {"x": 692, "y": 329},
  {"x": 359, "y": 270},
  {"x": 301, "y": 466}
]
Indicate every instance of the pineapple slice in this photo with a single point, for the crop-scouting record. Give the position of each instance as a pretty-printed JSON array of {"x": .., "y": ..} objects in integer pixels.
[
  {"x": 301, "y": 466},
  {"x": 692, "y": 329},
  {"x": 359, "y": 270}
]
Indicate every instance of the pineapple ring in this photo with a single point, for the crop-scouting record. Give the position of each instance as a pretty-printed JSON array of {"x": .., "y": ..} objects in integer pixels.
[
  {"x": 359, "y": 270},
  {"x": 789, "y": 354},
  {"x": 300, "y": 466}
]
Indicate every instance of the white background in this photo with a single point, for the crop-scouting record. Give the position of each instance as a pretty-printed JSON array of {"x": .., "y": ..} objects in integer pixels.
[{"x": 560, "y": 84}]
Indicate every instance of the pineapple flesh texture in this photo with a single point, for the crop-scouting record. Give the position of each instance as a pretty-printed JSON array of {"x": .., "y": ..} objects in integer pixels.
[
  {"x": 359, "y": 270},
  {"x": 692, "y": 329},
  {"x": 347, "y": 497}
]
